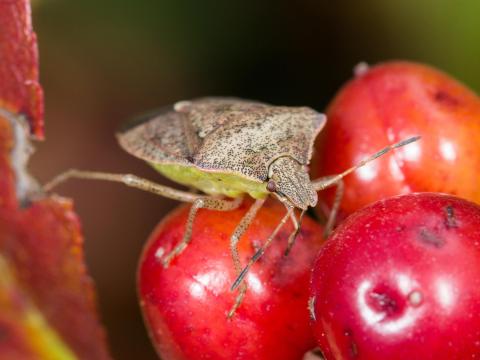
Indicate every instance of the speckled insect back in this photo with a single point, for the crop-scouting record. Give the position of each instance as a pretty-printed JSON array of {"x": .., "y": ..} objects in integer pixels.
[{"x": 228, "y": 148}]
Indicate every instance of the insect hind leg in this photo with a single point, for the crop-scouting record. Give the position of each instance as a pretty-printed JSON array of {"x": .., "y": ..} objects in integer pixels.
[
  {"x": 126, "y": 179},
  {"x": 239, "y": 283}
]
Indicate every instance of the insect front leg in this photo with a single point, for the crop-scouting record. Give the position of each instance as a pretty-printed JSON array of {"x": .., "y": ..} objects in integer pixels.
[
  {"x": 258, "y": 254},
  {"x": 239, "y": 282},
  {"x": 210, "y": 203},
  {"x": 296, "y": 229},
  {"x": 324, "y": 183},
  {"x": 296, "y": 223},
  {"x": 235, "y": 238}
]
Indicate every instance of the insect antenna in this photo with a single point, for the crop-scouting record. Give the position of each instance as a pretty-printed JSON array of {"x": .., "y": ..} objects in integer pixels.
[{"x": 321, "y": 184}]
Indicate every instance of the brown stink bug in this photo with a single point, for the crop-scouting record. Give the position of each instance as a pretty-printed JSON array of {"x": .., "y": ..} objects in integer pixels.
[{"x": 228, "y": 148}]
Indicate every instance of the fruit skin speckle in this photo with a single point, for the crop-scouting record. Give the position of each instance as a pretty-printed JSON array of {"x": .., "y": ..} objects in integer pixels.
[
  {"x": 185, "y": 306},
  {"x": 400, "y": 293}
]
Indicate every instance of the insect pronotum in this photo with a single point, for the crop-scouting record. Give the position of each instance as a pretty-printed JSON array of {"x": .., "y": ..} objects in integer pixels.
[{"x": 228, "y": 148}]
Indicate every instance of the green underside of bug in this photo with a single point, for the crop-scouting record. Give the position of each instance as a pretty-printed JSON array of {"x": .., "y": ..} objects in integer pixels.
[{"x": 212, "y": 183}]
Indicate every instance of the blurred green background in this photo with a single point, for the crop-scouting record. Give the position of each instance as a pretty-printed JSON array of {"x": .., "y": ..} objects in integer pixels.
[{"x": 104, "y": 61}]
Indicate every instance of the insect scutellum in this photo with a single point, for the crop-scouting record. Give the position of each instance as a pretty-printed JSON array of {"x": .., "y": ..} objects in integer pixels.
[{"x": 229, "y": 148}]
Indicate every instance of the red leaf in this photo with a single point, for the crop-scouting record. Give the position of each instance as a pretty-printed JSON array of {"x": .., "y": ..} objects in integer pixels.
[
  {"x": 20, "y": 91},
  {"x": 47, "y": 300},
  {"x": 44, "y": 247}
]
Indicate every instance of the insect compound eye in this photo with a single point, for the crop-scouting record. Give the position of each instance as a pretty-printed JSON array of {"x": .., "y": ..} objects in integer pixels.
[{"x": 271, "y": 186}]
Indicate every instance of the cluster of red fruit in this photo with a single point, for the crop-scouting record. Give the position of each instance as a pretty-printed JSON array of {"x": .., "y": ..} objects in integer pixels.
[{"x": 398, "y": 279}]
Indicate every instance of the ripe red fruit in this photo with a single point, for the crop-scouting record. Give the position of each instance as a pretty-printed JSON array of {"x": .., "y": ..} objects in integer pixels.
[
  {"x": 400, "y": 279},
  {"x": 185, "y": 306},
  {"x": 391, "y": 102}
]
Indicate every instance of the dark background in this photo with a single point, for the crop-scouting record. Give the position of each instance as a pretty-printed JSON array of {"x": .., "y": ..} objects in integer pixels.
[{"x": 104, "y": 61}]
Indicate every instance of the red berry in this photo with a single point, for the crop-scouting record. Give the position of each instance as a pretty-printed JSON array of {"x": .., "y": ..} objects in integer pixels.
[
  {"x": 391, "y": 102},
  {"x": 400, "y": 279},
  {"x": 186, "y": 305}
]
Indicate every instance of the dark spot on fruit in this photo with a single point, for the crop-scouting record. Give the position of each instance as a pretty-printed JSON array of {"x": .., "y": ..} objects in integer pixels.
[
  {"x": 282, "y": 235},
  {"x": 189, "y": 158},
  {"x": 384, "y": 303},
  {"x": 297, "y": 294},
  {"x": 305, "y": 233},
  {"x": 352, "y": 345},
  {"x": 450, "y": 221},
  {"x": 428, "y": 237},
  {"x": 399, "y": 228},
  {"x": 443, "y": 97},
  {"x": 291, "y": 328}
]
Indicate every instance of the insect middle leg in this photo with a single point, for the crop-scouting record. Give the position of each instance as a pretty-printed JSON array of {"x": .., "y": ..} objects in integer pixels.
[{"x": 210, "y": 203}]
